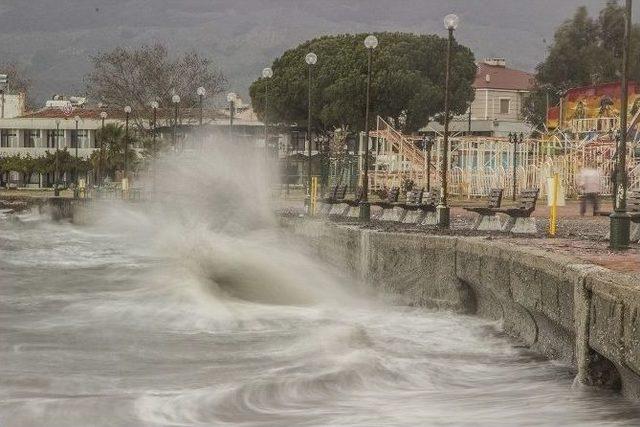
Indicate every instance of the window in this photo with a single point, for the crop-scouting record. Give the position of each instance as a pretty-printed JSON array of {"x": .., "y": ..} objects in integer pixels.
[
  {"x": 504, "y": 106},
  {"x": 51, "y": 138},
  {"x": 8, "y": 138},
  {"x": 31, "y": 136},
  {"x": 80, "y": 137}
]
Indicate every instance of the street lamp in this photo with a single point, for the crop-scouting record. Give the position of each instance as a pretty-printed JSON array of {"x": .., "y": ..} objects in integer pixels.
[
  {"x": 231, "y": 99},
  {"x": 370, "y": 43},
  {"x": 56, "y": 171},
  {"x": 75, "y": 168},
  {"x": 103, "y": 117},
  {"x": 154, "y": 107},
  {"x": 620, "y": 221},
  {"x": 175, "y": 100},
  {"x": 513, "y": 139},
  {"x": 267, "y": 73},
  {"x": 127, "y": 112},
  {"x": 202, "y": 92},
  {"x": 442, "y": 210},
  {"x": 311, "y": 59}
]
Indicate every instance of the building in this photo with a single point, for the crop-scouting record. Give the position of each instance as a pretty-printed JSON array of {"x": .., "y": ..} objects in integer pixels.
[
  {"x": 36, "y": 133},
  {"x": 497, "y": 107},
  {"x": 12, "y": 105}
]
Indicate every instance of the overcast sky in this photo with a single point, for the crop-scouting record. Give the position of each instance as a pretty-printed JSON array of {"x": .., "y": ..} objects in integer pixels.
[{"x": 53, "y": 39}]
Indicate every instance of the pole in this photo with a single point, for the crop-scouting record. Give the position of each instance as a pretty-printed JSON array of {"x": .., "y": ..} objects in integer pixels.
[
  {"x": 515, "y": 154},
  {"x": 266, "y": 117},
  {"x": 56, "y": 171},
  {"x": 469, "y": 121},
  {"x": 620, "y": 220},
  {"x": 309, "y": 139},
  {"x": 126, "y": 147},
  {"x": 2, "y": 108},
  {"x": 75, "y": 167},
  {"x": 442, "y": 208},
  {"x": 365, "y": 208},
  {"x": 155, "y": 148},
  {"x": 429, "y": 167},
  {"x": 101, "y": 153},
  {"x": 553, "y": 221},
  {"x": 232, "y": 110},
  {"x": 175, "y": 125}
]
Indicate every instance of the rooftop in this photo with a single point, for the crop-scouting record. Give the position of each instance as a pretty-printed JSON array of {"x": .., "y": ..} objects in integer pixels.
[{"x": 493, "y": 74}]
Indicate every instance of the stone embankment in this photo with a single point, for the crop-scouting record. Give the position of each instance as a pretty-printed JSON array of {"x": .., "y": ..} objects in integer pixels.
[{"x": 563, "y": 307}]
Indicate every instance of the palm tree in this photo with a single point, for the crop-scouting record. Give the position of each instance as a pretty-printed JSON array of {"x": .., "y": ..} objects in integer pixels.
[{"x": 112, "y": 153}]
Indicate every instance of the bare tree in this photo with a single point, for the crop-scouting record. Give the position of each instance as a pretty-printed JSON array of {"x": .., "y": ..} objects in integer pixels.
[
  {"x": 19, "y": 82},
  {"x": 136, "y": 77}
]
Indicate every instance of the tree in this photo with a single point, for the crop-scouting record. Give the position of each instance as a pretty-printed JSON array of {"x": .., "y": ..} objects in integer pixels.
[
  {"x": 584, "y": 51},
  {"x": 113, "y": 138},
  {"x": 407, "y": 82},
  {"x": 19, "y": 82},
  {"x": 135, "y": 77}
]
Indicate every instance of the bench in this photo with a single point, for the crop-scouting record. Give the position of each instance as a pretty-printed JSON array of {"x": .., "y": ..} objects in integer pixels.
[
  {"x": 411, "y": 204},
  {"x": 520, "y": 220},
  {"x": 429, "y": 204},
  {"x": 335, "y": 198},
  {"x": 387, "y": 204},
  {"x": 487, "y": 219}
]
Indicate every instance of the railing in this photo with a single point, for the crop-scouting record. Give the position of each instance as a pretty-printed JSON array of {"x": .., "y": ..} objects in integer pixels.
[{"x": 597, "y": 124}]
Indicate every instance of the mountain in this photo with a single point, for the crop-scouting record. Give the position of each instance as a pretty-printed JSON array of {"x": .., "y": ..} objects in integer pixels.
[{"x": 54, "y": 39}]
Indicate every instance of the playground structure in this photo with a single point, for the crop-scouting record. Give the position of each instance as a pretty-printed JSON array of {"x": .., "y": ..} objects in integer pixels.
[{"x": 478, "y": 164}]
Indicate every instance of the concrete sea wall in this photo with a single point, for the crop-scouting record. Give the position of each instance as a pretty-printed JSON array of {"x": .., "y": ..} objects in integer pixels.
[{"x": 564, "y": 308}]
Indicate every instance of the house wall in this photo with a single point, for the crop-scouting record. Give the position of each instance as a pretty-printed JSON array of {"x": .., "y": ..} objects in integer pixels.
[{"x": 486, "y": 105}]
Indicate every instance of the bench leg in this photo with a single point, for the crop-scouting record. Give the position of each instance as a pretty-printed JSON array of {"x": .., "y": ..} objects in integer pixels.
[
  {"x": 338, "y": 209},
  {"x": 430, "y": 218},
  {"x": 525, "y": 226},
  {"x": 353, "y": 212},
  {"x": 509, "y": 224},
  {"x": 411, "y": 217},
  {"x": 635, "y": 232},
  {"x": 402, "y": 215},
  {"x": 487, "y": 223}
]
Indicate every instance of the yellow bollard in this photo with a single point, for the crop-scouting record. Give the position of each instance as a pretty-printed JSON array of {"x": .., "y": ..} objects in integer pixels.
[{"x": 553, "y": 219}]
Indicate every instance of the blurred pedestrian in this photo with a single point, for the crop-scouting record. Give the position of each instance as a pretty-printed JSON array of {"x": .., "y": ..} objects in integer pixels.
[{"x": 589, "y": 180}]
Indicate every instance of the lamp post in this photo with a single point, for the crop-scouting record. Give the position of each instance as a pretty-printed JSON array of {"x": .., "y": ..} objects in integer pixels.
[
  {"x": 370, "y": 43},
  {"x": 267, "y": 73},
  {"x": 175, "y": 100},
  {"x": 103, "y": 116},
  {"x": 75, "y": 166},
  {"x": 231, "y": 99},
  {"x": 428, "y": 145},
  {"x": 513, "y": 139},
  {"x": 620, "y": 220},
  {"x": 127, "y": 112},
  {"x": 154, "y": 107},
  {"x": 56, "y": 170},
  {"x": 442, "y": 210},
  {"x": 311, "y": 59}
]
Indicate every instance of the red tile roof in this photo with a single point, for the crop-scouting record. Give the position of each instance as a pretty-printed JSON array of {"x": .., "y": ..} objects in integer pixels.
[
  {"x": 502, "y": 78},
  {"x": 94, "y": 113}
]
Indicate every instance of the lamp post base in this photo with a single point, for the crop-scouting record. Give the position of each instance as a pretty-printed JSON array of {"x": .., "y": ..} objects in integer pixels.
[
  {"x": 56, "y": 191},
  {"x": 365, "y": 212},
  {"x": 620, "y": 224},
  {"x": 307, "y": 204},
  {"x": 442, "y": 216}
]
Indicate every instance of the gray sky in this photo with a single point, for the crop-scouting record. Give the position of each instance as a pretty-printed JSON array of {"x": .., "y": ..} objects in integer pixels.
[{"x": 53, "y": 39}]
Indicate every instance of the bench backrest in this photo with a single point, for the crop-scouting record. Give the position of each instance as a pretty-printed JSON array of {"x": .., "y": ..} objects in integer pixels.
[
  {"x": 341, "y": 193},
  {"x": 432, "y": 197},
  {"x": 495, "y": 198},
  {"x": 528, "y": 199},
  {"x": 334, "y": 192},
  {"x": 392, "y": 196},
  {"x": 415, "y": 196},
  {"x": 633, "y": 201}
]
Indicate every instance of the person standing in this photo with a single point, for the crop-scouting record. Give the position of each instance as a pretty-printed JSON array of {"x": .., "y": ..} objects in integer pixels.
[{"x": 589, "y": 180}]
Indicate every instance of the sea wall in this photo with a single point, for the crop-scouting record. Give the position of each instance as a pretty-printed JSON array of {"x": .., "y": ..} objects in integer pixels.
[{"x": 564, "y": 308}]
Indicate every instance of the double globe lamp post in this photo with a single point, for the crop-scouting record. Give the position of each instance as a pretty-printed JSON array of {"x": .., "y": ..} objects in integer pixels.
[
  {"x": 311, "y": 59},
  {"x": 370, "y": 43},
  {"x": 267, "y": 73}
]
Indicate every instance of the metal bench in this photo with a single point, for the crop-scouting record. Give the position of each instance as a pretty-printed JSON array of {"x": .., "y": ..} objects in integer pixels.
[
  {"x": 520, "y": 219},
  {"x": 429, "y": 204},
  {"x": 335, "y": 198},
  {"x": 487, "y": 219},
  {"x": 411, "y": 204},
  {"x": 387, "y": 205}
]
